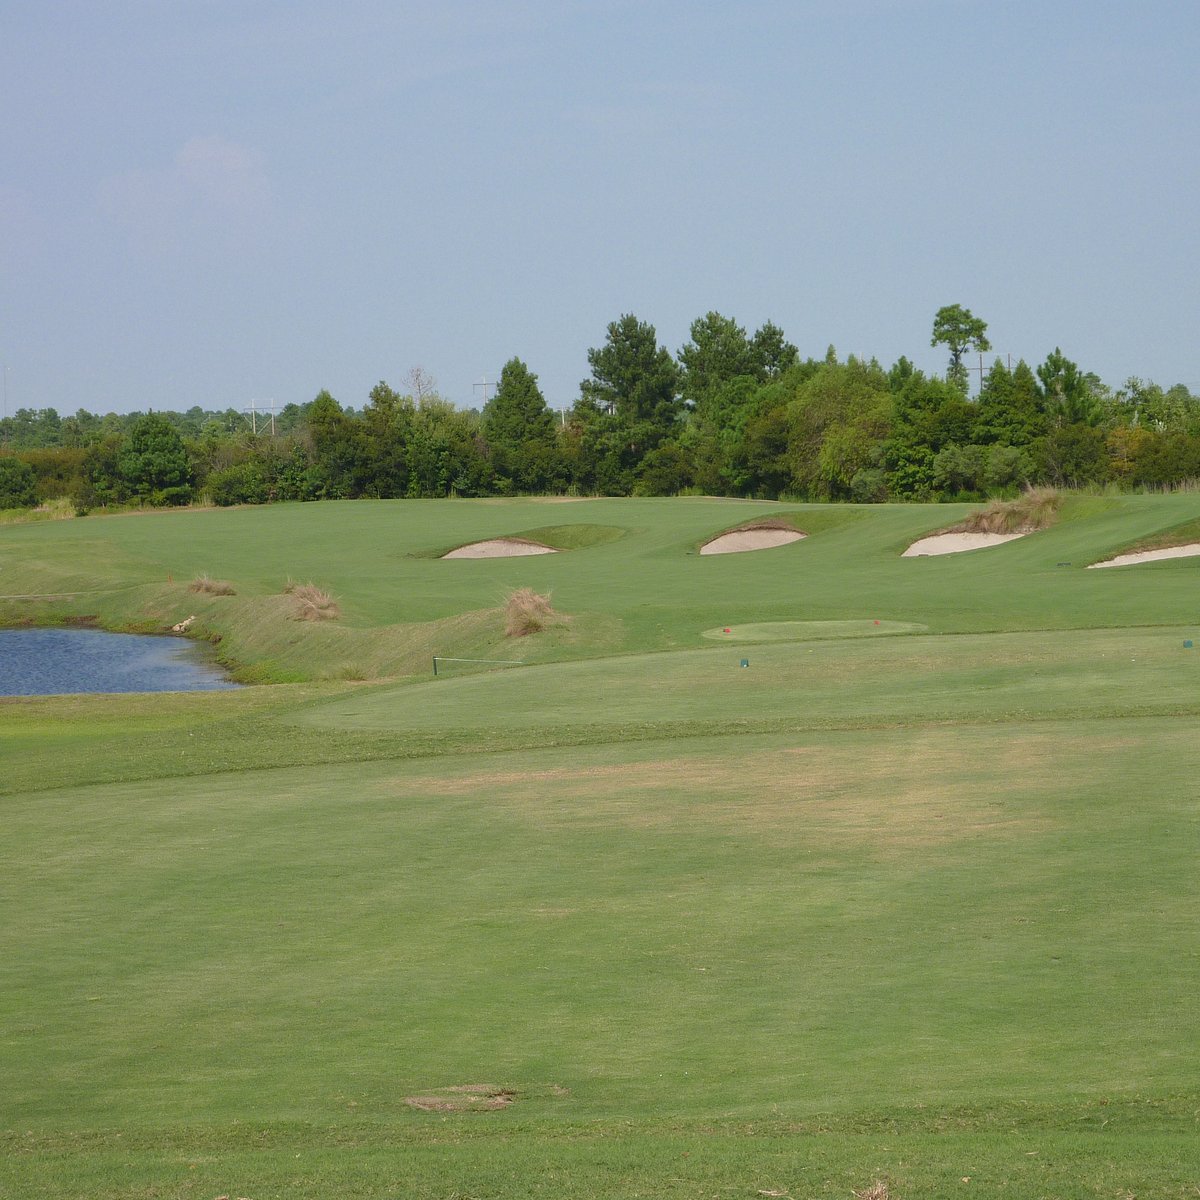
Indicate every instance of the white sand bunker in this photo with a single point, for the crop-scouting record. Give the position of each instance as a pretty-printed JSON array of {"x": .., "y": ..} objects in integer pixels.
[
  {"x": 1141, "y": 556},
  {"x": 501, "y": 548},
  {"x": 956, "y": 543},
  {"x": 737, "y": 541}
]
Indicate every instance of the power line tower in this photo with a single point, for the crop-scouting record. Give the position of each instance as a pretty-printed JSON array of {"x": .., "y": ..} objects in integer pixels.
[{"x": 254, "y": 412}]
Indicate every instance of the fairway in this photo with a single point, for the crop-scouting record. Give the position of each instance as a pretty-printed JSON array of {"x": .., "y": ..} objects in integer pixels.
[{"x": 910, "y": 903}]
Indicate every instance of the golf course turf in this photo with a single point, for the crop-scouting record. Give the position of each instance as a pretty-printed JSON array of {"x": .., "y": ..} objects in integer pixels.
[{"x": 907, "y": 902}]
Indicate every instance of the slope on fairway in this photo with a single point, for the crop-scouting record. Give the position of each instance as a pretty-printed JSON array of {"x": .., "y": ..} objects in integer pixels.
[{"x": 904, "y": 679}]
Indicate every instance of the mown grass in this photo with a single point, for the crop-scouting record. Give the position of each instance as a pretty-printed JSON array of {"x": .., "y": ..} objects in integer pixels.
[
  {"x": 647, "y": 590},
  {"x": 916, "y": 908}
]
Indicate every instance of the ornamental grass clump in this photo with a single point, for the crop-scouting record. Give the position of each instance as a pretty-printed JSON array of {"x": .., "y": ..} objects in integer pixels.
[
  {"x": 1035, "y": 508},
  {"x": 213, "y": 587},
  {"x": 312, "y": 603},
  {"x": 527, "y": 612}
]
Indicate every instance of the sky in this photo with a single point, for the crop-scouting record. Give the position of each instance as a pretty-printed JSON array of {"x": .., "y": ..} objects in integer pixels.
[{"x": 216, "y": 202}]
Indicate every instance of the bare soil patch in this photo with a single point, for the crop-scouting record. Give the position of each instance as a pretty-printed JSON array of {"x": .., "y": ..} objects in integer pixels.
[
  {"x": 464, "y": 1098},
  {"x": 506, "y": 547}
]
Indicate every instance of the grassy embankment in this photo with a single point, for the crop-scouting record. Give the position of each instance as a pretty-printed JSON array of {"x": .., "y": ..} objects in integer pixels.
[{"x": 915, "y": 907}]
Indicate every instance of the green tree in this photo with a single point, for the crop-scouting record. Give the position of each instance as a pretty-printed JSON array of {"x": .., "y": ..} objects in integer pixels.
[
  {"x": 17, "y": 483},
  {"x": 386, "y": 431},
  {"x": 959, "y": 330},
  {"x": 718, "y": 352},
  {"x": 154, "y": 462},
  {"x": 771, "y": 353},
  {"x": 1069, "y": 399},
  {"x": 337, "y": 447},
  {"x": 629, "y": 406},
  {"x": 837, "y": 421},
  {"x": 1009, "y": 409},
  {"x": 520, "y": 431}
]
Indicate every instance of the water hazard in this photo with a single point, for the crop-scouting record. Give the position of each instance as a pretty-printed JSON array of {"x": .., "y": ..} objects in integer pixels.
[{"x": 51, "y": 662}]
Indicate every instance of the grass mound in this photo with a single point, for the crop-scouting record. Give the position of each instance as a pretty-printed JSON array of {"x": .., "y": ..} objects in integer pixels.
[
  {"x": 527, "y": 612},
  {"x": 572, "y": 537},
  {"x": 1034, "y": 509},
  {"x": 312, "y": 603},
  {"x": 213, "y": 587}
]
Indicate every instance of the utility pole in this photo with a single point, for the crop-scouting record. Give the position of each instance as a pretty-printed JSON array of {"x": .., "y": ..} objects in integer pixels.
[
  {"x": 252, "y": 411},
  {"x": 483, "y": 383}
]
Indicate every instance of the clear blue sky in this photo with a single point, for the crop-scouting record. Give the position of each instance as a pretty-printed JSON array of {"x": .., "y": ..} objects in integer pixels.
[{"x": 208, "y": 201}]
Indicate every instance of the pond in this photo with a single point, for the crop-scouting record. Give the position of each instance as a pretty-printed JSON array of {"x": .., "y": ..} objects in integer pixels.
[{"x": 51, "y": 662}]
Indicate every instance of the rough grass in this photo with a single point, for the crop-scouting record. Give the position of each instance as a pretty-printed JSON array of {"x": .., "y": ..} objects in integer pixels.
[
  {"x": 213, "y": 587},
  {"x": 526, "y": 612},
  {"x": 1036, "y": 508},
  {"x": 312, "y": 603}
]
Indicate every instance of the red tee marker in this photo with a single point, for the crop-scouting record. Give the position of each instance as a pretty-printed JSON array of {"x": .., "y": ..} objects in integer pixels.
[
  {"x": 728, "y": 630},
  {"x": 876, "y": 622}
]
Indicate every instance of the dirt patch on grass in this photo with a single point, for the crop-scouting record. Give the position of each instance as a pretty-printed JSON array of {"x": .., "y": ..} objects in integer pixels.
[
  {"x": 764, "y": 534},
  {"x": 464, "y": 1098},
  {"x": 505, "y": 547}
]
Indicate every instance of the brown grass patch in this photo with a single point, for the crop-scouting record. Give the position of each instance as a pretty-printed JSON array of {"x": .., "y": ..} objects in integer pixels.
[
  {"x": 1035, "y": 508},
  {"x": 312, "y": 603},
  {"x": 213, "y": 587},
  {"x": 877, "y": 1191},
  {"x": 464, "y": 1098},
  {"x": 912, "y": 792},
  {"x": 526, "y": 612}
]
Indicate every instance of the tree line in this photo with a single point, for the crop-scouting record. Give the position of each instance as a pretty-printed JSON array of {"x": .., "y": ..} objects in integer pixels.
[{"x": 732, "y": 413}]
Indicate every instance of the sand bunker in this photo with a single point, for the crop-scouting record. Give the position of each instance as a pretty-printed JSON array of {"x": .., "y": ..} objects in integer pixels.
[
  {"x": 737, "y": 541},
  {"x": 1141, "y": 556},
  {"x": 956, "y": 543},
  {"x": 501, "y": 548}
]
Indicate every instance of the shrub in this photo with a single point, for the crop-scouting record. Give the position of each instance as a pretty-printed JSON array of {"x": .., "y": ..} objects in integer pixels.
[{"x": 527, "y": 612}]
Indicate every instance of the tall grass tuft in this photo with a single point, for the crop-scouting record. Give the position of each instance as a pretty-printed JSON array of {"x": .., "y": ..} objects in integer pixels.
[
  {"x": 1035, "y": 508},
  {"x": 877, "y": 1191},
  {"x": 213, "y": 587},
  {"x": 312, "y": 603},
  {"x": 527, "y": 612}
]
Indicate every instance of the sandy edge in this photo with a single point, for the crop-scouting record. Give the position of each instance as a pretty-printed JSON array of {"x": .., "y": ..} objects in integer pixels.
[
  {"x": 956, "y": 543},
  {"x": 1141, "y": 556},
  {"x": 500, "y": 548},
  {"x": 737, "y": 541}
]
